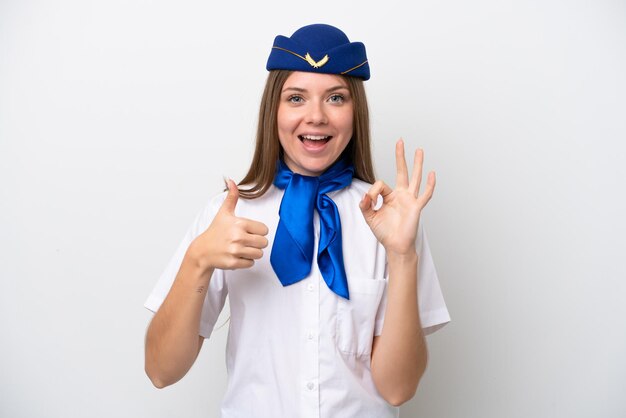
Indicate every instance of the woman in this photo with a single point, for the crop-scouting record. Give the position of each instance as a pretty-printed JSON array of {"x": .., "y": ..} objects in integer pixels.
[{"x": 329, "y": 305}]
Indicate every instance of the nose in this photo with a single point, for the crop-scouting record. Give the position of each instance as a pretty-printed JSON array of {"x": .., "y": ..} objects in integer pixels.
[{"x": 316, "y": 114}]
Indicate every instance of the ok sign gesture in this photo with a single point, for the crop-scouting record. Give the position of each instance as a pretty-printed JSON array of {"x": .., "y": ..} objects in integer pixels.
[{"x": 395, "y": 223}]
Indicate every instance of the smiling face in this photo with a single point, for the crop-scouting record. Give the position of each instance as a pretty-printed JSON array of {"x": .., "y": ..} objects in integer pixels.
[{"x": 315, "y": 121}]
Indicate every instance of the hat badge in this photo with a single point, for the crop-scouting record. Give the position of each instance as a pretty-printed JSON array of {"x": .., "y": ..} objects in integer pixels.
[{"x": 316, "y": 64}]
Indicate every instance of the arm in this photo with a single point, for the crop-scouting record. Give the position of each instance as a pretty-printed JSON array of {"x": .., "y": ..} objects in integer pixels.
[
  {"x": 172, "y": 341},
  {"x": 399, "y": 354}
]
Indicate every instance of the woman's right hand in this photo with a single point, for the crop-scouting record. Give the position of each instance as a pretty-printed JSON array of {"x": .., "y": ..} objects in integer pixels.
[{"x": 230, "y": 242}]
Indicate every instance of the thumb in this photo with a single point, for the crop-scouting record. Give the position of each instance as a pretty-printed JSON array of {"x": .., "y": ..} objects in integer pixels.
[{"x": 232, "y": 197}]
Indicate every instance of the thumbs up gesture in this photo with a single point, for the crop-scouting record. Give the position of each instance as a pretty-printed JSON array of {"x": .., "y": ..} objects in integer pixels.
[{"x": 230, "y": 242}]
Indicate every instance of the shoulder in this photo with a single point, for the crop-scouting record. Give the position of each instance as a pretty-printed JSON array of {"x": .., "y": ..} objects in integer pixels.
[
  {"x": 215, "y": 201},
  {"x": 273, "y": 193},
  {"x": 266, "y": 204},
  {"x": 207, "y": 212},
  {"x": 360, "y": 185},
  {"x": 356, "y": 187},
  {"x": 261, "y": 207},
  {"x": 354, "y": 192}
]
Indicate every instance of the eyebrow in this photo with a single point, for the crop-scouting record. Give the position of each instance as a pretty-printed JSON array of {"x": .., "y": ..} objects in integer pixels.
[{"x": 301, "y": 90}]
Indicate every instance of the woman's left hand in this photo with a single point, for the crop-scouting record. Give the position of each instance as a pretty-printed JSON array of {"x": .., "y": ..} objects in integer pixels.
[{"x": 395, "y": 223}]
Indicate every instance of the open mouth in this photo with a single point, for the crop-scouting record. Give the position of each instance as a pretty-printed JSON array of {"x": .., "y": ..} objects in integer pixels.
[{"x": 314, "y": 139}]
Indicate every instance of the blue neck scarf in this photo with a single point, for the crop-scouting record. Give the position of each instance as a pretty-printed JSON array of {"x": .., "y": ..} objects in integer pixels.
[{"x": 292, "y": 252}]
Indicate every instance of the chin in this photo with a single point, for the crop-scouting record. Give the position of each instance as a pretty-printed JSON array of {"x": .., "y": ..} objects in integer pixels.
[{"x": 318, "y": 167}]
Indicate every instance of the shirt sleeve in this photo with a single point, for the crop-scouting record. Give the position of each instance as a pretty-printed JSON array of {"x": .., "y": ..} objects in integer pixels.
[
  {"x": 217, "y": 291},
  {"x": 433, "y": 311}
]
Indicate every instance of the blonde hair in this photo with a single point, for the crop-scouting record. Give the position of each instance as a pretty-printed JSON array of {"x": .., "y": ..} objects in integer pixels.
[{"x": 267, "y": 150}]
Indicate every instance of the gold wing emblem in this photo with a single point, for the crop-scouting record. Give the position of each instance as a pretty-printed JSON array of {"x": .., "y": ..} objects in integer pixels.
[{"x": 316, "y": 64}]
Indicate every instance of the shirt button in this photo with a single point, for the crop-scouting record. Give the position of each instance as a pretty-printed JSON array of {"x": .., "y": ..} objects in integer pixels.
[
  {"x": 310, "y": 287},
  {"x": 310, "y": 386},
  {"x": 310, "y": 335}
]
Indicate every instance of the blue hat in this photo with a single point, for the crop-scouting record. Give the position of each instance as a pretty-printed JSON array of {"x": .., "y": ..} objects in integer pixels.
[{"x": 319, "y": 49}]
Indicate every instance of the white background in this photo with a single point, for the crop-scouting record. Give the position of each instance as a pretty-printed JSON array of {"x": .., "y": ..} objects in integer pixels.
[{"x": 118, "y": 120}]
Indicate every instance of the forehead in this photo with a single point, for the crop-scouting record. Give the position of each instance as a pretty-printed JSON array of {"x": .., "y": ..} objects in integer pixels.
[{"x": 314, "y": 81}]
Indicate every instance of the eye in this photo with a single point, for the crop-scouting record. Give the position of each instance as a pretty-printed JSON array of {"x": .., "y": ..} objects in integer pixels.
[
  {"x": 295, "y": 99},
  {"x": 336, "y": 98}
]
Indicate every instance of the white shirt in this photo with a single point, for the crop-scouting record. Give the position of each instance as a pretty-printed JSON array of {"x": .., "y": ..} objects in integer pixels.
[{"x": 301, "y": 350}]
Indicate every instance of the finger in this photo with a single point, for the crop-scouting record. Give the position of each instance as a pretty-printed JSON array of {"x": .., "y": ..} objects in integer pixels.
[
  {"x": 239, "y": 263},
  {"x": 402, "y": 173},
  {"x": 379, "y": 188},
  {"x": 416, "y": 177},
  {"x": 255, "y": 241},
  {"x": 241, "y": 238},
  {"x": 430, "y": 188},
  {"x": 367, "y": 207},
  {"x": 253, "y": 227},
  {"x": 250, "y": 253},
  {"x": 245, "y": 263},
  {"x": 230, "y": 202}
]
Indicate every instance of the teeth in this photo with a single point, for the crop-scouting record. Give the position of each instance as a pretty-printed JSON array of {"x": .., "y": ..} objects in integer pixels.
[{"x": 314, "y": 137}]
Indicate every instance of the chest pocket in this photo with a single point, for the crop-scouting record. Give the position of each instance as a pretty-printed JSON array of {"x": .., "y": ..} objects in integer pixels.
[{"x": 356, "y": 317}]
